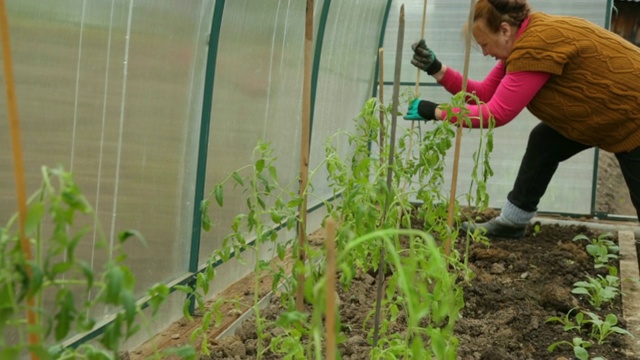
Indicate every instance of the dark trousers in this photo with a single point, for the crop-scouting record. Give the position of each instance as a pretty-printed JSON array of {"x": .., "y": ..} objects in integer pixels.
[{"x": 545, "y": 150}]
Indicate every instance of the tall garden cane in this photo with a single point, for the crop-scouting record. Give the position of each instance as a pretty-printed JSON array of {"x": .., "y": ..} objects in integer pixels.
[
  {"x": 417, "y": 86},
  {"x": 392, "y": 142},
  {"x": 18, "y": 166},
  {"x": 330, "y": 316},
  {"x": 456, "y": 157},
  {"x": 304, "y": 151}
]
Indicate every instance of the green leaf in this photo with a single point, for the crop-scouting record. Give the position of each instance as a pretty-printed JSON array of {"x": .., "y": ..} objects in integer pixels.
[
  {"x": 112, "y": 335},
  {"x": 294, "y": 203},
  {"x": 282, "y": 251},
  {"x": 87, "y": 272},
  {"x": 259, "y": 165},
  {"x": 35, "y": 282},
  {"x": 581, "y": 353},
  {"x": 66, "y": 313},
  {"x": 218, "y": 192},
  {"x": 129, "y": 306},
  {"x": 126, "y": 234},
  {"x": 275, "y": 217},
  {"x": 114, "y": 284},
  {"x": 580, "y": 237},
  {"x": 204, "y": 215},
  {"x": 580, "y": 290},
  {"x": 237, "y": 178},
  {"x": 157, "y": 295},
  {"x": 34, "y": 217},
  {"x": 273, "y": 172},
  {"x": 183, "y": 288},
  {"x": 202, "y": 283},
  {"x": 60, "y": 268},
  {"x": 261, "y": 203}
]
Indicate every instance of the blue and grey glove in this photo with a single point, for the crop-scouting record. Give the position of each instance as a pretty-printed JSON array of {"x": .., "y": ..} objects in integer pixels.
[
  {"x": 424, "y": 58},
  {"x": 421, "y": 110}
]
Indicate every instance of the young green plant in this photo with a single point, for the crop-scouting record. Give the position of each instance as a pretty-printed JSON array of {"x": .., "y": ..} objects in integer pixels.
[{"x": 76, "y": 288}]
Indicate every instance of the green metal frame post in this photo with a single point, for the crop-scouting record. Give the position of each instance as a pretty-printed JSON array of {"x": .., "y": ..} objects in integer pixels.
[
  {"x": 383, "y": 31},
  {"x": 322, "y": 25},
  {"x": 205, "y": 125}
]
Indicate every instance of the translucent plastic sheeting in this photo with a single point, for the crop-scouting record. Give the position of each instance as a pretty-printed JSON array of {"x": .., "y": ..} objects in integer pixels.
[
  {"x": 256, "y": 97},
  {"x": 571, "y": 188},
  {"x": 346, "y": 77},
  {"x": 258, "y": 94},
  {"x": 110, "y": 90}
]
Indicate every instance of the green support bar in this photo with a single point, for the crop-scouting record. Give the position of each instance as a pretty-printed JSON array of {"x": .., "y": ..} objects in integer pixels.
[
  {"x": 383, "y": 31},
  {"x": 189, "y": 278},
  {"x": 205, "y": 125}
]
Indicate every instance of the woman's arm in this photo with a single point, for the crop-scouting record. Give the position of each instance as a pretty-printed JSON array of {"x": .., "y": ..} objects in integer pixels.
[
  {"x": 451, "y": 80},
  {"x": 510, "y": 97}
]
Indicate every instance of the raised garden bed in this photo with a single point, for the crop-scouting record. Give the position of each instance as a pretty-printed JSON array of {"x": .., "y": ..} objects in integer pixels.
[{"x": 518, "y": 286}]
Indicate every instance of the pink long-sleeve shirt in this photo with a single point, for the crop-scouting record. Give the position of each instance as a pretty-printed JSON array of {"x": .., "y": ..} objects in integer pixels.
[{"x": 504, "y": 95}]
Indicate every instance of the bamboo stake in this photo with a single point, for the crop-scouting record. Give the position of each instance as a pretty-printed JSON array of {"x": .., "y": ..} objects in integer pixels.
[
  {"x": 422, "y": 27},
  {"x": 330, "y": 316},
  {"x": 392, "y": 146},
  {"x": 456, "y": 157},
  {"x": 417, "y": 88},
  {"x": 304, "y": 153},
  {"x": 381, "y": 98},
  {"x": 18, "y": 170}
]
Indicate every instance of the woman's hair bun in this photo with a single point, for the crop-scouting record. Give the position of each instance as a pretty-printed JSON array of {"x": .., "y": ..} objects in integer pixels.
[{"x": 508, "y": 6}]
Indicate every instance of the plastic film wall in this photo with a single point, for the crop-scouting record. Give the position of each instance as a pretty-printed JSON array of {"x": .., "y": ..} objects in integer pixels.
[
  {"x": 110, "y": 90},
  {"x": 258, "y": 94},
  {"x": 128, "y": 95},
  {"x": 571, "y": 188}
]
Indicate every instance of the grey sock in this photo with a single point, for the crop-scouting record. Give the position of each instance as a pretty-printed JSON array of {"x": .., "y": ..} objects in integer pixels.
[{"x": 514, "y": 216}]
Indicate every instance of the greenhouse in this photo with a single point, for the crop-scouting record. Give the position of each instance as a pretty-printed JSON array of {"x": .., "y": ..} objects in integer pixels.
[{"x": 211, "y": 179}]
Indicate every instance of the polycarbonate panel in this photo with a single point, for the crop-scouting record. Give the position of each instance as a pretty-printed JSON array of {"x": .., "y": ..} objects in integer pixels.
[
  {"x": 346, "y": 77},
  {"x": 571, "y": 188},
  {"x": 111, "y": 91},
  {"x": 257, "y": 96}
]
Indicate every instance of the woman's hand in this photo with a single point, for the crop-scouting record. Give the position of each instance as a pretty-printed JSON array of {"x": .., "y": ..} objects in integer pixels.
[{"x": 425, "y": 59}]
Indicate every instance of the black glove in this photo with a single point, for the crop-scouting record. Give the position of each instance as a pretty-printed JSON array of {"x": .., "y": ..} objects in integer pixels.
[
  {"x": 421, "y": 110},
  {"x": 424, "y": 58}
]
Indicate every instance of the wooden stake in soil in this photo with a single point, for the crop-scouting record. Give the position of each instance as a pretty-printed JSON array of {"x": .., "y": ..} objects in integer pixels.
[
  {"x": 330, "y": 317},
  {"x": 381, "y": 98},
  {"x": 18, "y": 166},
  {"x": 456, "y": 157},
  {"x": 392, "y": 146},
  {"x": 304, "y": 152},
  {"x": 417, "y": 88}
]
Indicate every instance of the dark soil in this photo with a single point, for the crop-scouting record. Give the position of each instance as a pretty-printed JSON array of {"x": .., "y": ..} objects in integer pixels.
[{"x": 518, "y": 285}]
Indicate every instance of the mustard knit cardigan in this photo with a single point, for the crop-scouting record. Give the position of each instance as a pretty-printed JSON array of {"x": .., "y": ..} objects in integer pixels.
[{"x": 593, "y": 94}]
